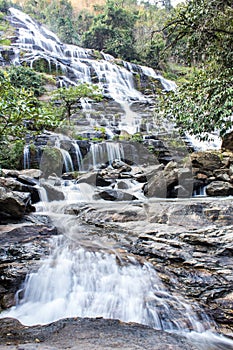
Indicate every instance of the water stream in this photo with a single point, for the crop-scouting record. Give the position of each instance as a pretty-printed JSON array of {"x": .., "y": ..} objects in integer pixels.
[{"x": 87, "y": 276}]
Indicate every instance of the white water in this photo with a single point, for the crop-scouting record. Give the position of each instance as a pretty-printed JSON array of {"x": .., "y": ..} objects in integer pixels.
[
  {"x": 104, "y": 153},
  {"x": 26, "y": 157},
  {"x": 76, "y": 282},
  {"x": 84, "y": 278},
  {"x": 78, "y": 64}
]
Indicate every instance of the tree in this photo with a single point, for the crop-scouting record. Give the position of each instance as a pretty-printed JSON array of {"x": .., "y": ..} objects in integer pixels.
[
  {"x": 204, "y": 102},
  {"x": 26, "y": 77},
  {"x": 20, "y": 112},
  {"x": 70, "y": 98},
  {"x": 112, "y": 31},
  {"x": 57, "y": 15}
]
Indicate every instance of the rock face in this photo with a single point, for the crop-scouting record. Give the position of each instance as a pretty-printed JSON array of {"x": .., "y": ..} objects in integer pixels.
[
  {"x": 219, "y": 188},
  {"x": 213, "y": 171},
  {"x": 88, "y": 334},
  {"x": 189, "y": 242},
  {"x": 14, "y": 204},
  {"x": 22, "y": 246},
  {"x": 227, "y": 143}
]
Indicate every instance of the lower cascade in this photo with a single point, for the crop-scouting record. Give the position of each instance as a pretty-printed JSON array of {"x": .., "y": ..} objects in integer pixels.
[
  {"x": 81, "y": 278},
  {"x": 78, "y": 282}
]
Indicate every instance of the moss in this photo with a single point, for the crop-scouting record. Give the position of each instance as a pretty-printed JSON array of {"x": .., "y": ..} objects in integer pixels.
[
  {"x": 5, "y": 42},
  {"x": 43, "y": 66}
]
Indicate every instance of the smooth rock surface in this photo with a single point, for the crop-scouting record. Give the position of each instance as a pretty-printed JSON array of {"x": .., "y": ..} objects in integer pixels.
[{"x": 88, "y": 334}]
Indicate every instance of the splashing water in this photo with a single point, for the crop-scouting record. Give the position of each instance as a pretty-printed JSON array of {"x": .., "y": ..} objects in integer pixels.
[{"x": 77, "y": 282}]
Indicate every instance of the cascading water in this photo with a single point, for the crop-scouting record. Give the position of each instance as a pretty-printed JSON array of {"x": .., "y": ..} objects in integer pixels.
[
  {"x": 79, "y": 157},
  {"x": 26, "y": 157},
  {"x": 78, "y": 282},
  {"x": 104, "y": 153},
  {"x": 80, "y": 65}
]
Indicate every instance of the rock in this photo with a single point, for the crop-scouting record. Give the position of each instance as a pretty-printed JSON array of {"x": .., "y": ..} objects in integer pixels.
[
  {"x": 14, "y": 204},
  {"x": 143, "y": 174},
  {"x": 34, "y": 173},
  {"x": 9, "y": 172},
  {"x": 22, "y": 247},
  {"x": 121, "y": 166},
  {"x": 156, "y": 186},
  {"x": 219, "y": 188},
  {"x": 53, "y": 193},
  {"x": 114, "y": 195},
  {"x": 15, "y": 185},
  {"x": 222, "y": 174},
  {"x": 94, "y": 179},
  {"x": 227, "y": 142},
  {"x": 26, "y": 180},
  {"x": 89, "y": 334},
  {"x": 206, "y": 162}
]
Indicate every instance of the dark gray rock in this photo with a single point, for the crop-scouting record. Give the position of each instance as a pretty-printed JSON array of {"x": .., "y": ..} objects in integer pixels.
[
  {"x": 227, "y": 143},
  {"x": 219, "y": 188},
  {"x": 14, "y": 204},
  {"x": 114, "y": 195},
  {"x": 89, "y": 334}
]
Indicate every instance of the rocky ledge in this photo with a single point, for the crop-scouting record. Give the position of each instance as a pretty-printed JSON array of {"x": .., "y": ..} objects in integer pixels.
[
  {"x": 91, "y": 334},
  {"x": 189, "y": 242},
  {"x": 23, "y": 244}
]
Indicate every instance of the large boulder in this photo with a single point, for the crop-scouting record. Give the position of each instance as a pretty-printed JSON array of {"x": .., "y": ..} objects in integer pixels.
[
  {"x": 219, "y": 188},
  {"x": 114, "y": 195},
  {"x": 227, "y": 142},
  {"x": 16, "y": 185},
  {"x": 206, "y": 162},
  {"x": 53, "y": 194},
  {"x": 14, "y": 204}
]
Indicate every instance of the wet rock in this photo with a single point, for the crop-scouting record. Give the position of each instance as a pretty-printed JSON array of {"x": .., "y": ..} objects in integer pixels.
[
  {"x": 219, "y": 188},
  {"x": 53, "y": 193},
  {"x": 14, "y": 204},
  {"x": 22, "y": 246},
  {"x": 88, "y": 334},
  {"x": 27, "y": 180},
  {"x": 114, "y": 195},
  {"x": 32, "y": 173},
  {"x": 95, "y": 179},
  {"x": 15, "y": 185}
]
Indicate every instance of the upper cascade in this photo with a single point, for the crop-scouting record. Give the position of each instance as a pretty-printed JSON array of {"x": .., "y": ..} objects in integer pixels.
[{"x": 76, "y": 64}]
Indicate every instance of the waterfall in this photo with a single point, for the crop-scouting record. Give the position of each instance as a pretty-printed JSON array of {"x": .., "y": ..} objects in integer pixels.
[
  {"x": 105, "y": 153},
  {"x": 115, "y": 151},
  {"x": 78, "y": 156},
  {"x": 67, "y": 161},
  {"x": 117, "y": 81},
  {"x": 26, "y": 157},
  {"x": 80, "y": 283}
]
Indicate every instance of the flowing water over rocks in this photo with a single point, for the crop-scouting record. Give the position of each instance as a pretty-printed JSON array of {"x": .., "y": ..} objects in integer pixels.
[
  {"x": 162, "y": 267},
  {"x": 112, "y": 258}
]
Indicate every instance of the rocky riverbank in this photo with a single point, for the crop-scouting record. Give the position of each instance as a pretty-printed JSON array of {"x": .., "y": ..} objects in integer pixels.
[
  {"x": 88, "y": 334},
  {"x": 188, "y": 241}
]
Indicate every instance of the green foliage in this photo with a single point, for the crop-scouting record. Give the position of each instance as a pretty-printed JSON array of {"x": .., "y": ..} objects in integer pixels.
[
  {"x": 25, "y": 77},
  {"x": 68, "y": 99},
  {"x": 202, "y": 30},
  {"x": 4, "y": 5},
  {"x": 137, "y": 137},
  {"x": 20, "y": 111},
  {"x": 204, "y": 103},
  {"x": 112, "y": 31},
  {"x": 11, "y": 154}
]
